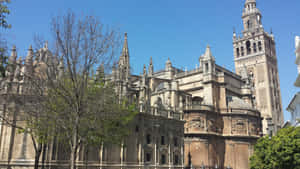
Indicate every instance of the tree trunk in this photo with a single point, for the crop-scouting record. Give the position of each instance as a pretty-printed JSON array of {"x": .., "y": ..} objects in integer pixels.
[
  {"x": 37, "y": 156},
  {"x": 73, "y": 150},
  {"x": 73, "y": 157}
]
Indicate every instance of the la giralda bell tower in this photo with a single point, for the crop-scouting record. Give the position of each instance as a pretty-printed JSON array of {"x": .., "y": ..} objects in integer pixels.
[{"x": 255, "y": 50}]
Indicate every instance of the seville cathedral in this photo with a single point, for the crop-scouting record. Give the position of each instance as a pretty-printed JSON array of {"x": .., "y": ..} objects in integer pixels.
[{"x": 208, "y": 117}]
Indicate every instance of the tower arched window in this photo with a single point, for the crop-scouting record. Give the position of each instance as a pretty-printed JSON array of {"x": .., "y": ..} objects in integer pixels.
[
  {"x": 206, "y": 67},
  {"x": 248, "y": 46},
  {"x": 249, "y": 24},
  {"x": 237, "y": 52},
  {"x": 254, "y": 47},
  {"x": 259, "y": 46},
  {"x": 242, "y": 51}
]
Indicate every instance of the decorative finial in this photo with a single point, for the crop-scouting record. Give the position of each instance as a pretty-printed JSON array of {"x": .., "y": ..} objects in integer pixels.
[
  {"x": 144, "y": 70},
  {"x": 46, "y": 45},
  {"x": 271, "y": 31},
  {"x": 125, "y": 35},
  {"x": 208, "y": 52},
  {"x": 13, "y": 56},
  {"x": 29, "y": 54}
]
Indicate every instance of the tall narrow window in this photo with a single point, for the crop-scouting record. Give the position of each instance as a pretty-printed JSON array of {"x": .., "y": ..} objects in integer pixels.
[
  {"x": 259, "y": 46},
  {"x": 242, "y": 51},
  {"x": 254, "y": 47},
  {"x": 176, "y": 159},
  {"x": 162, "y": 140},
  {"x": 163, "y": 159},
  {"x": 237, "y": 52},
  {"x": 175, "y": 142},
  {"x": 248, "y": 24},
  {"x": 148, "y": 138},
  {"x": 148, "y": 157},
  {"x": 206, "y": 67},
  {"x": 248, "y": 46}
]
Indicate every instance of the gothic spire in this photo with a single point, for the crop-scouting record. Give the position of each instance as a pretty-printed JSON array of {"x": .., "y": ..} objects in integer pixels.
[
  {"x": 46, "y": 45},
  {"x": 13, "y": 56},
  {"x": 144, "y": 70},
  {"x": 28, "y": 70},
  {"x": 150, "y": 71},
  {"x": 208, "y": 53},
  {"x": 124, "y": 65},
  {"x": 168, "y": 65},
  {"x": 18, "y": 70},
  {"x": 29, "y": 56},
  {"x": 125, "y": 46}
]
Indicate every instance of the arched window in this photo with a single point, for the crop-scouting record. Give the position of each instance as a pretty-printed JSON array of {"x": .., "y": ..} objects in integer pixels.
[
  {"x": 148, "y": 157},
  {"x": 242, "y": 51},
  {"x": 163, "y": 159},
  {"x": 237, "y": 52},
  {"x": 248, "y": 46},
  {"x": 206, "y": 67},
  {"x": 162, "y": 140},
  {"x": 175, "y": 140},
  {"x": 176, "y": 159},
  {"x": 259, "y": 46},
  {"x": 148, "y": 139},
  {"x": 254, "y": 47},
  {"x": 197, "y": 100},
  {"x": 249, "y": 24}
]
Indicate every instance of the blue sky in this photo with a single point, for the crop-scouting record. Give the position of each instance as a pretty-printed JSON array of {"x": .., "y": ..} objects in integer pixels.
[{"x": 179, "y": 29}]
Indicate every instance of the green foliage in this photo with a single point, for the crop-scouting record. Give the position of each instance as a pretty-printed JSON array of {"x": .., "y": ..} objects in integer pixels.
[
  {"x": 4, "y": 11},
  {"x": 100, "y": 118},
  {"x": 3, "y": 58},
  {"x": 280, "y": 152}
]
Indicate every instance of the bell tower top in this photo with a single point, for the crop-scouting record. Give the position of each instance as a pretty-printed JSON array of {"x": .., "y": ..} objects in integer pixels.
[
  {"x": 251, "y": 16},
  {"x": 255, "y": 53}
]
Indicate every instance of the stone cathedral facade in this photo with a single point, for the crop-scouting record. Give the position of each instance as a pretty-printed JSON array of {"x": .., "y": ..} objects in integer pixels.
[
  {"x": 208, "y": 117},
  {"x": 255, "y": 49},
  {"x": 204, "y": 117}
]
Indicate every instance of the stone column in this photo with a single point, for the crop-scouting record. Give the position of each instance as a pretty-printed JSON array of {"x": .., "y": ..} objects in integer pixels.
[
  {"x": 140, "y": 154},
  {"x": 101, "y": 155},
  {"x": 121, "y": 154},
  {"x": 169, "y": 154},
  {"x": 155, "y": 153},
  {"x": 182, "y": 153}
]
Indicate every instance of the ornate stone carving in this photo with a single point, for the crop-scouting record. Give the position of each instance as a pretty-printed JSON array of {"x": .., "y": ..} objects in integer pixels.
[
  {"x": 239, "y": 126},
  {"x": 197, "y": 123}
]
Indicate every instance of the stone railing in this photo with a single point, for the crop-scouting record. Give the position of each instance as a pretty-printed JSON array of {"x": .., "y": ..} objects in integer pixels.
[
  {"x": 185, "y": 73},
  {"x": 200, "y": 107},
  {"x": 155, "y": 111},
  {"x": 241, "y": 111}
]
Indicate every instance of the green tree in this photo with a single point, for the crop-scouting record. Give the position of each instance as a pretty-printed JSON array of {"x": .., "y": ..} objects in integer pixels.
[
  {"x": 101, "y": 119},
  {"x": 26, "y": 114},
  {"x": 86, "y": 109},
  {"x": 282, "y": 151},
  {"x": 4, "y": 11}
]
